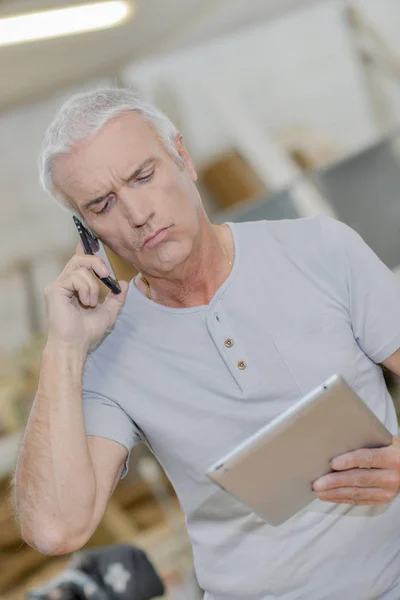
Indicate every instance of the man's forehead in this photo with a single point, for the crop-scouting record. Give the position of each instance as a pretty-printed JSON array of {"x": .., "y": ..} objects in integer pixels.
[
  {"x": 117, "y": 147},
  {"x": 94, "y": 166},
  {"x": 127, "y": 131}
]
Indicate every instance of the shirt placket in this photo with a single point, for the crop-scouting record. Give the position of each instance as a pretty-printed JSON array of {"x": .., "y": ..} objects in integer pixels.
[{"x": 232, "y": 350}]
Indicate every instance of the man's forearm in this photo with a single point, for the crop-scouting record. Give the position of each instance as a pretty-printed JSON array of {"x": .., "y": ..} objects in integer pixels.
[{"x": 54, "y": 482}]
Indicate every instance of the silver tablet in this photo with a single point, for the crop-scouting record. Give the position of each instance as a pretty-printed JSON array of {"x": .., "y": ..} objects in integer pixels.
[{"x": 272, "y": 472}]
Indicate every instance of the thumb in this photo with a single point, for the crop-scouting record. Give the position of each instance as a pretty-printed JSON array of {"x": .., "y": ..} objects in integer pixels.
[{"x": 114, "y": 302}]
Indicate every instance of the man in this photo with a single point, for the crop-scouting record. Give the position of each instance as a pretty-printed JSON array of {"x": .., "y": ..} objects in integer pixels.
[{"x": 224, "y": 328}]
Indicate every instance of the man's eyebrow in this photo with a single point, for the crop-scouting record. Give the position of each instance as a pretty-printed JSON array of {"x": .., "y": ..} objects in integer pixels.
[
  {"x": 93, "y": 202},
  {"x": 144, "y": 165}
]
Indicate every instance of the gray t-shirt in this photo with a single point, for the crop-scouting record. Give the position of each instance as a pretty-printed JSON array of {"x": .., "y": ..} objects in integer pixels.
[{"x": 306, "y": 298}]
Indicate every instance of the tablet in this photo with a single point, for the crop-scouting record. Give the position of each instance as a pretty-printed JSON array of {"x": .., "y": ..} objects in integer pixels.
[{"x": 272, "y": 472}]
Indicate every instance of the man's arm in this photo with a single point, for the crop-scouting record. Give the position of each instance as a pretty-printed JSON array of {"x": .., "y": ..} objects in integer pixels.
[
  {"x": 377, "y": 482},
  {"x": 393, "y": 362},
  {"x": 371, "y": 293},
  {"x": 63, "y": 478}
]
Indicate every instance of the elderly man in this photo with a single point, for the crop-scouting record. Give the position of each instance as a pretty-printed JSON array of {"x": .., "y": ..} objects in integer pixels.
[{"x": 223, "y": 329}]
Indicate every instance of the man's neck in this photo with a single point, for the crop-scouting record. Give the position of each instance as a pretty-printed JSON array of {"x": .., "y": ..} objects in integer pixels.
[{"x": 200, "y": 278}]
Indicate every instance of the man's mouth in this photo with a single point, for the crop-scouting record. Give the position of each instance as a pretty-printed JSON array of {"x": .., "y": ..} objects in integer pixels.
[{"x": 155, "y": 238}]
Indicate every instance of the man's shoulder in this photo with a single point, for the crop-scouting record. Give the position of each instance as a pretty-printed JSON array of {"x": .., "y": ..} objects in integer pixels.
[
  {"x": 316, "y": 241},
  {"x": 311, "y": 228}
]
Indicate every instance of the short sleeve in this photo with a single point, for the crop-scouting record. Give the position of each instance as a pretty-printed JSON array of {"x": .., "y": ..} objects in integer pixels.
[
  {"x": 373, "y": 293},
  {"x": 105, "y": 418}
]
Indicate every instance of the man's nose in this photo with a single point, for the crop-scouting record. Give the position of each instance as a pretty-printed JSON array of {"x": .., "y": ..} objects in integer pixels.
[{"x": 137, "y": 207}]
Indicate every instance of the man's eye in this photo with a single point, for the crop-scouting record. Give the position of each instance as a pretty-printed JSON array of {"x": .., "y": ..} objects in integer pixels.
[
  {"x": 104, "y": 209},
  {"x": 145, "y": 177}
]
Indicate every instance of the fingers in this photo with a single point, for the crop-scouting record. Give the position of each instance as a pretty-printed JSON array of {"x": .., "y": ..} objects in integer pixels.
[
  {"x": 357, "y": 495},
  {"x": 372, "y": 458},
  {"x": 366, "y": 457},
  {"x": 89, "y": 262},
  {"x": 358, "y": 478},
  {"x": 86, "y": 287},
  {"x": 358, "y": 486}
]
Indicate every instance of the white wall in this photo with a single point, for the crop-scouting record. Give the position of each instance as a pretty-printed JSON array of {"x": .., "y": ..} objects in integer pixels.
[{"x": 298, "y": 69}]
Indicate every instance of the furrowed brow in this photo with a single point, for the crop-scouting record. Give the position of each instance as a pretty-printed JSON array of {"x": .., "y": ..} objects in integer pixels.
[
  {"x": 142, "y": 167},
  {"x": 94, "y": 202}
]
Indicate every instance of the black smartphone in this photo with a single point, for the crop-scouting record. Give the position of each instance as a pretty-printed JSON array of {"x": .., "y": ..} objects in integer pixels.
[{"x": 93, "y": 245}]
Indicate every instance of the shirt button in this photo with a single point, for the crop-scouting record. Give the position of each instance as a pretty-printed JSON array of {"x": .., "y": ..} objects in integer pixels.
[
  {"x": 229, "y": 343},
  {"x": 242, "y": 365}
]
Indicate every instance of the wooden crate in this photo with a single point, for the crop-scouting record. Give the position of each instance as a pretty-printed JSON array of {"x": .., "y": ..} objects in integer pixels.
[{"x": 230, "y": 179}]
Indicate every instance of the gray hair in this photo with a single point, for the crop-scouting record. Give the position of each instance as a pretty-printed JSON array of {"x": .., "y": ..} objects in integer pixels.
[{"x": 84, "y": 114}]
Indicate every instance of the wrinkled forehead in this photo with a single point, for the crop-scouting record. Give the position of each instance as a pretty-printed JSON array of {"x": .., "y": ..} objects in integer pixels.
[{"x": 122, "y": 144}]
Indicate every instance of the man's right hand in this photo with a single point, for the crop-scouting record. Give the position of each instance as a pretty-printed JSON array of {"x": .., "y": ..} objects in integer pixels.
[{"x": 74, "y": 314}]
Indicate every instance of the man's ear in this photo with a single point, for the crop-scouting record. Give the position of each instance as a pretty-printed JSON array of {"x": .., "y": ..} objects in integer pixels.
[{"x": 185, "y": 156}]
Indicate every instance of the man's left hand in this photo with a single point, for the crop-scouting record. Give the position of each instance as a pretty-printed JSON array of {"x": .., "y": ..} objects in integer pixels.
[{"x": 368, "y": 476}]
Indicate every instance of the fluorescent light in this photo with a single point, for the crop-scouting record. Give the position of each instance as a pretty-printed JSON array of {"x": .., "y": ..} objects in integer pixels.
[{"x": 63, "y": 21}]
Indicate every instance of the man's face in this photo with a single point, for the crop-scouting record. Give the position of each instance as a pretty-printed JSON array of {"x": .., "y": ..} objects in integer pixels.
[{"x": 127, "y": 187}]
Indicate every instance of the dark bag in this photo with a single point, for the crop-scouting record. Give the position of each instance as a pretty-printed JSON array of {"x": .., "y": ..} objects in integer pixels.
[{"x": 119, "y": 572}]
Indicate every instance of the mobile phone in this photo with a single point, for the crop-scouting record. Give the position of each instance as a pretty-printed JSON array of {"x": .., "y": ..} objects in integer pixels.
[{"x": 93, "y": 245}]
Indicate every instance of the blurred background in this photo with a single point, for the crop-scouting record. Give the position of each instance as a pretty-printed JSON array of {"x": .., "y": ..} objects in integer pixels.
[{"x": 289, "y": 108}]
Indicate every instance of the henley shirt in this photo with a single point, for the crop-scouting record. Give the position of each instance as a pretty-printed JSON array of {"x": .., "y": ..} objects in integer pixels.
[{"x": 306, "y": 299}]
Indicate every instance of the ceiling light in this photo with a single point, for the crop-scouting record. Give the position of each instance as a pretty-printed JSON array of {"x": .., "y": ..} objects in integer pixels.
[{"x": 64, "y": 21}]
